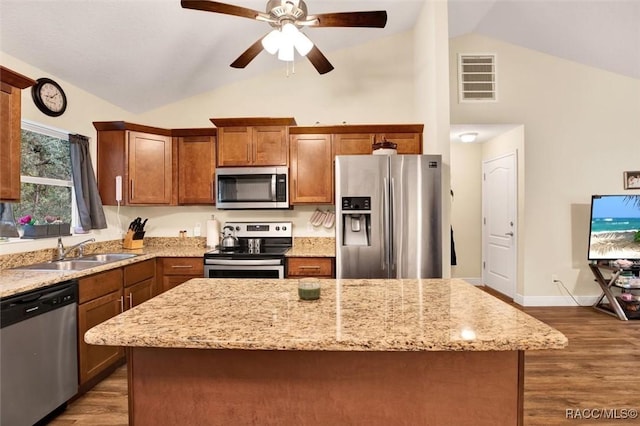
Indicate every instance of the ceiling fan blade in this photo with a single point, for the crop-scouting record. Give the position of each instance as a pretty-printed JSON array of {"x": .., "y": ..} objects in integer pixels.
[
  {"x": 248, "y": 55},
  {"x": 319, "y": 61},
  {"x": 217, "y": 7},
  {"x": 373, "y": 19}
]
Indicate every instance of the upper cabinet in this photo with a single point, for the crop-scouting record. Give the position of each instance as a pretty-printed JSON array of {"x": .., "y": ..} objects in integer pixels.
[
  {"x": 142, "y": 156},
  {"x": 10, "y": 115},
  {"x": 257, "y": 141},
  {"x": 358, "y": 139},
  {"x": 311, "y": 170},
  {"x": 196, "y": 165}
]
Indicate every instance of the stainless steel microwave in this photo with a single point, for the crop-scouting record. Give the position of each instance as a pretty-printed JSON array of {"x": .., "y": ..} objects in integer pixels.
[{"x": 252, "y": 188}]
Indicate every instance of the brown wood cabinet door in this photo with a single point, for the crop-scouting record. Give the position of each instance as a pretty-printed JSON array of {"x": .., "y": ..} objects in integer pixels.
[
  {"x": 9, "y": 143},
  {"x": 270, "y": 146},
  {"x": 93, "y": 359},
  {"x": 408, "y": 143},
  {"x": 138, "y": 293},
  {"x": 235, "y": 147},
  {"x": 311, "y": 169},
  {"x": 353, "y": 143},
  {"x": 150, "y": 168},
  {"x": 196, "y": 169}
]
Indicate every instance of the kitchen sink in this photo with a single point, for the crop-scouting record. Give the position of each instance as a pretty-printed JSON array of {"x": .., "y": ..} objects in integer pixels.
[
  {"x": 105, "y": 257},
  {"x": 63, "y": 265},
  {"x": 78, "y": 263}
]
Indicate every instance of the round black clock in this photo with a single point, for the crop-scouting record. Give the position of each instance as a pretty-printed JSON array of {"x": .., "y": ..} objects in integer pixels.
[{"x": 49, "y": 97}]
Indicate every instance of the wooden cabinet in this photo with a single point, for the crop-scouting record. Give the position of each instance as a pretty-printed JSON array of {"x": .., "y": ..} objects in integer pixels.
[
  {"x": 142, "y": 156},
  {"x": 320, "y": 267},
  {"x": 100, "y": 298},
  {"x": 196, "y": 165},
  {"x": 311, "y": 169},
  {"x": 11, "y": 85},
  {"x": 139, "y": 282},
  {"x": 173, "y": 271},
  {"x": 361, "y": 143},
  {"x": 253, "y": 141},
  {"x": 353, "y": 143}
]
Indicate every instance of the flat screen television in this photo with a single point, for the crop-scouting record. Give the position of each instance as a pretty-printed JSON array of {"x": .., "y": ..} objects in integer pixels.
[{"x": 615, "y": 227}]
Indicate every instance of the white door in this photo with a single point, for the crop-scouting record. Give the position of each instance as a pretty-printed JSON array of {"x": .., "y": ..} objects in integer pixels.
[{"x": 499, "y": 211}]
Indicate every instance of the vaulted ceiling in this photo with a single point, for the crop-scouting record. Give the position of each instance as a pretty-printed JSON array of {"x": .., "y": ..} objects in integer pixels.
[{"x": 142, "y": 54}]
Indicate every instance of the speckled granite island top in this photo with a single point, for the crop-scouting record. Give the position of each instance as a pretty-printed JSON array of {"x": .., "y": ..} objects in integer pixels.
[{"x": 351, "y": 315}]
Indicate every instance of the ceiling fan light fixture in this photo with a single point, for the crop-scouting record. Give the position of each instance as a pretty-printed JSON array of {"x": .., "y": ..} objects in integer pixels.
[
  {"x": 302, "y": 43},
  {"x": 285, "y": 52},
  {"x": 271, "y": 42}
]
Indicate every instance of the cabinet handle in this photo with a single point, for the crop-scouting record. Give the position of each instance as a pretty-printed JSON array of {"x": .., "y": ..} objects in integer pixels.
[
  {"x": 132, "y": 196},
  {"x": 181, "y": 266},
  {"x": 121, "y": 303},
  {"x": 248, "y": 153},
  {"x": 309, "y": 267},
  {"x": 213, "y": 189},
  {"x": 130, "y": 300}
]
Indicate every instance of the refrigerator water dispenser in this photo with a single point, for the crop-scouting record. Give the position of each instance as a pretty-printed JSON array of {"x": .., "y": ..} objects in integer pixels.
[{"x": 356, "y": 221}]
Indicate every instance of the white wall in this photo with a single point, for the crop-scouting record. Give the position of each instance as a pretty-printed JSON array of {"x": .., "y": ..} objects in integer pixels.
[{"x": 581, "y": 127}]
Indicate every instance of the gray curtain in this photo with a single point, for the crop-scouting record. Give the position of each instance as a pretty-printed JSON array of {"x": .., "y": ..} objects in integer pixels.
[
  {"x": 84, "y": 182},
  {"x": 7, "y": 221}
]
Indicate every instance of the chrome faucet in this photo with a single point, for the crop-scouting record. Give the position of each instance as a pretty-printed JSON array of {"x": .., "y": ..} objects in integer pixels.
[{"x": 63, "y": 252}]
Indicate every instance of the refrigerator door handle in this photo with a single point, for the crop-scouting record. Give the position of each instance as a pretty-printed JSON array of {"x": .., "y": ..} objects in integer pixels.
[
  {"x": 392, "y": 222},
  {"x": 386, "y": 228}
]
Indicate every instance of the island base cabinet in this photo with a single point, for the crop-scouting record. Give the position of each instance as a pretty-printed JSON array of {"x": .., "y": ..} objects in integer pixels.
[{"x": 222, "y": 387}]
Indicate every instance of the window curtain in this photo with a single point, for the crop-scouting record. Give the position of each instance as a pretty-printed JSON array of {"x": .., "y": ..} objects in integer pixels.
[
  {"x": 7, "y": 221},
  {"x": 84, "y": 182}
]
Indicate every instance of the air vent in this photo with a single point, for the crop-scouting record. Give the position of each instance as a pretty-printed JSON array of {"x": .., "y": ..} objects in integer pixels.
[{"x": 476, "y": 78}]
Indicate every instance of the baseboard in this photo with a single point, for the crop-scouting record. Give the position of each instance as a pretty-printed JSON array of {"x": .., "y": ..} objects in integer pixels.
[{"x": 554, "y": 300}]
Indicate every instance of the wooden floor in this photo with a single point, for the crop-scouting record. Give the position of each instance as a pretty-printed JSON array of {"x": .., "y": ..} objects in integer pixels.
[{"x": 599, "y": 370}]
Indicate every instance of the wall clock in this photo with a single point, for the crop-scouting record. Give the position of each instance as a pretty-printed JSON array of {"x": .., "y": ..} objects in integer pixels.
[{"x": 49, "y": 97}]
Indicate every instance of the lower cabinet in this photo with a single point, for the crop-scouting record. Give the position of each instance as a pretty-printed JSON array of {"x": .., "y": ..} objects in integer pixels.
[
  {"x": 173, "y": 271},
  {"x": 319, "y": 267},
  {"x": 101, "y": 297}
]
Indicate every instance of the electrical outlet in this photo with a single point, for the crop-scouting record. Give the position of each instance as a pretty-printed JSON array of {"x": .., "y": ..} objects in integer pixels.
[{"x": 554, "y": 278}]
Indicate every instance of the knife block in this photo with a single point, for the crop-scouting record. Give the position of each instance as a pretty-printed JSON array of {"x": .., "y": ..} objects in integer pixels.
[{"x": 130, "y": 243}]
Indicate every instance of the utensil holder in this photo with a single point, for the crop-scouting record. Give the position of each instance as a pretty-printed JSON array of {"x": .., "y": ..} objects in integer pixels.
[{"x": 130, "y": 243}]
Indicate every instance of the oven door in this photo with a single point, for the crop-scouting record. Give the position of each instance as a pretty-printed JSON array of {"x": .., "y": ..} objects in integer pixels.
[{"x": 242, "y": 268}]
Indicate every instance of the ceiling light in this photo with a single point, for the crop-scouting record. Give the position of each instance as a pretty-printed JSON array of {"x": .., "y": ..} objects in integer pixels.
[
  {"x": 284, "y": 40},
  {"x": 271, "y": 42},
  {"x": 468, "y": 137}
]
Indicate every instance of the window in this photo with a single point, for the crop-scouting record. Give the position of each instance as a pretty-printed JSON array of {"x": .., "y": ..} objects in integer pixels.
[{"x": 47, "y": 188}]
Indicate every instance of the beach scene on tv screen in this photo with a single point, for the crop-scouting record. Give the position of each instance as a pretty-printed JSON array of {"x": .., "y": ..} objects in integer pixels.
[{"x": 615, "y": 227}]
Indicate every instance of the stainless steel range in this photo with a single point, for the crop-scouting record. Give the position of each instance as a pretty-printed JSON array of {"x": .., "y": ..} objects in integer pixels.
[{"x": 250, "y": 250}]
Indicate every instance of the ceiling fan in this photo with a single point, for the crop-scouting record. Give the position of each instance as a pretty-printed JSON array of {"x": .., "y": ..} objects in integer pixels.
[{"x": 287, "y": 17}]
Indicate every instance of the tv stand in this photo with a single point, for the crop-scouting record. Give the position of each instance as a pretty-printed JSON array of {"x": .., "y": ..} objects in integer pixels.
[{"x": 612, "y": 306}]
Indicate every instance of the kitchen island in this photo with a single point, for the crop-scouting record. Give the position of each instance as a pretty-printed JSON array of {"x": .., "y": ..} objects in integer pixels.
[{"x": 431, "y": 351}]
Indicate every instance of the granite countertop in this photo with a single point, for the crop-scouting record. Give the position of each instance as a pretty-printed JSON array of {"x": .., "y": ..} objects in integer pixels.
[
  {"x": 14, "y": 281},
  {"x": 313, "y": 247},
  {"x": 351, "y": 315}
]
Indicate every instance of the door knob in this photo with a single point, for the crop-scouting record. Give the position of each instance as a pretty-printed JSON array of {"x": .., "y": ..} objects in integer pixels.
[{"x": 509, "y": 234}]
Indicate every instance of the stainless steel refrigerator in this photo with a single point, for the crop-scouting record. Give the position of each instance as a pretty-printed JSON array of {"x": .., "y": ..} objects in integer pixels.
[{"x": 388, "y": 216}]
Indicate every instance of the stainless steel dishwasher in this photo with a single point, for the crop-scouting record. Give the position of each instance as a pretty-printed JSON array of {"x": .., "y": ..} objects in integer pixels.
[{"x": 38, "y": 353}]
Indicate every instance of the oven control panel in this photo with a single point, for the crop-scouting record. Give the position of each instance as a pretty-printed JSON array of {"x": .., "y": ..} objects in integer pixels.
[{"x": 261, "y": 229}]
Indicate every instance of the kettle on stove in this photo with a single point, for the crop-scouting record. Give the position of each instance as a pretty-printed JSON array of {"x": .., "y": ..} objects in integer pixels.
[{"x": 229, "y": 240}]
